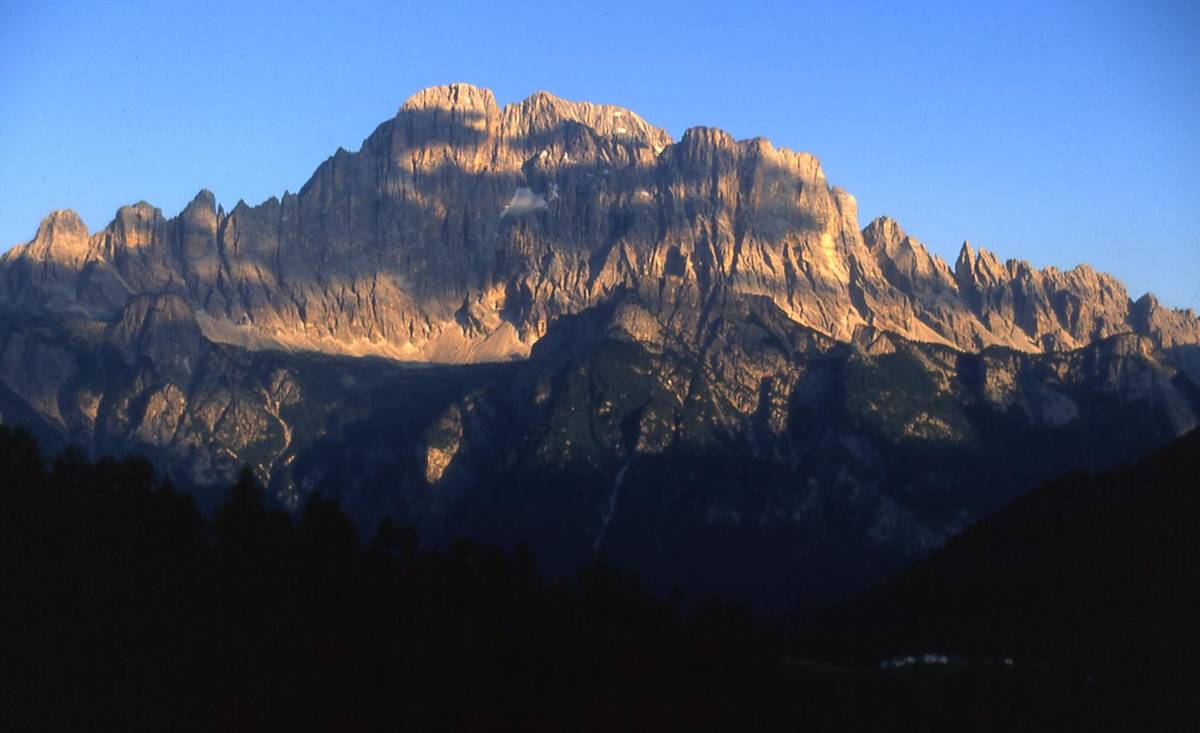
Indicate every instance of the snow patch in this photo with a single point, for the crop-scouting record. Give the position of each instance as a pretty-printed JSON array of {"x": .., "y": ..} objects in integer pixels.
[{"x": 523, "y": 202}]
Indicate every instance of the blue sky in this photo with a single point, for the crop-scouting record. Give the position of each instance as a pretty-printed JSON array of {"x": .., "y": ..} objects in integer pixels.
[{"x": 1054, "y": 132}]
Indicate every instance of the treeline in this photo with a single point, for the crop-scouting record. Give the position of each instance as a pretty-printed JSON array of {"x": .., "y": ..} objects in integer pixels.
[
  {"x": 123, "y": 607},
  {"x": 127, "y": 606}
]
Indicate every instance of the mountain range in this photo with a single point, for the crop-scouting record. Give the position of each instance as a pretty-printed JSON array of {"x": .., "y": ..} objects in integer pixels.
[{"x": 551, "y": 322}]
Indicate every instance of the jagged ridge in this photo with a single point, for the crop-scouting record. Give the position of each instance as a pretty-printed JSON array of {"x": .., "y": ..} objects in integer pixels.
[{"x": 461, "y": 229}]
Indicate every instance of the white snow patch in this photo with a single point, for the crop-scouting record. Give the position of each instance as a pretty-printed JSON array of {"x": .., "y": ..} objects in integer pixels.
[{"x": 523, "y": 202}]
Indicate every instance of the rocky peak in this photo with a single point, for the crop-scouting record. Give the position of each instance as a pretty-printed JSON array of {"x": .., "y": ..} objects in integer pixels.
[
  {"x": 905, "y": 261},
  {"x": 456, "y": 97},
  {"x": 61, "y": 268},
  {"x": 61, "y": 237},
  {"x": 700, "y": 142},
  {"x": 464, "y": 116},
  {"x": 1168, "y": 327},
  {"x": 455, "y": 115},
  {"x": 965, "y": 264},
  {"x": 542, "y": 112},
  {"x": 204, "y": 203},
  {"x": 135, "y": 226},
  {"x": 198, "y": 250},
  {"x": 60, "y": 223},
  {"x": 882, "y": 231}
]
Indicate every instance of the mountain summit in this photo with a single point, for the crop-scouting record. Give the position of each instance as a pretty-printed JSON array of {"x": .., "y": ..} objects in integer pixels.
[{"x": 461, "y": 229}]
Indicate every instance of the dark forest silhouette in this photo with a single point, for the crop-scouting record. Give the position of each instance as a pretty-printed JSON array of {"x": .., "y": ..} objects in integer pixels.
[{"x": 124, "y": 605}]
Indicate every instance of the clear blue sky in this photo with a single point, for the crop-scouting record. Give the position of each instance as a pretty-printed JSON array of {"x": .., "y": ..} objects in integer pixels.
[{"x": 1055, "y": 132}]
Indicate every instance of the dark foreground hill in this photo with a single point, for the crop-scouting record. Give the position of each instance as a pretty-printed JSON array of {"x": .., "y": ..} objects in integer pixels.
[
  {"x": 1096, "y": 576},
  {"x": 123, "y": 608}
]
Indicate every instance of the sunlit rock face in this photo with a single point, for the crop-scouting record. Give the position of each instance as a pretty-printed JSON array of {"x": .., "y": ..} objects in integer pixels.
[
  {"x": 461, "y": 229},
  {"x": 442, "y": 442}
]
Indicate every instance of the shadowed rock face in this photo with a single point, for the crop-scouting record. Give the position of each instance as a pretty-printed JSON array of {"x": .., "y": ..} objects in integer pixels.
[{"x": 461, "y": 229}]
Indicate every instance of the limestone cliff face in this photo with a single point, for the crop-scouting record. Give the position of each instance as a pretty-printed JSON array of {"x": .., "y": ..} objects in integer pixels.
[{"x": 462, "y": 229}]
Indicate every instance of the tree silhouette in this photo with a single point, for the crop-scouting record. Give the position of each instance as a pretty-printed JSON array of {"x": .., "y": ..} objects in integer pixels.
[{"x": 122, "y": 606}]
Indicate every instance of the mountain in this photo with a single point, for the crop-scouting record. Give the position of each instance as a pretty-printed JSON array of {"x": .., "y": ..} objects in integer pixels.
[
  {"x": 461, "y": 230},
  {"x": 548, "y": 321}
]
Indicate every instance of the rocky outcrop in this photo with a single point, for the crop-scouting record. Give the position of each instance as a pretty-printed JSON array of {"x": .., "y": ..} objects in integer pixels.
[
  {"x": 61, "y": 269},
  {"x": 1167, "y": 327},
  {"x": 461, "y": 229},
  {"x": 162, "y": 329}
]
